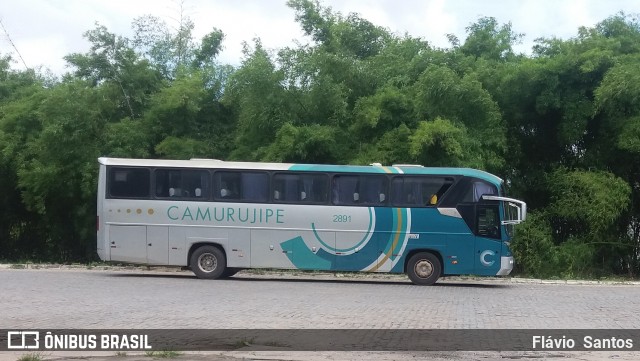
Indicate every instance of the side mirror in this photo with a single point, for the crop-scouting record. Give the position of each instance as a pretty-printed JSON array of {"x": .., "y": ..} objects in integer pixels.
[{"x": 520, "y": 207}]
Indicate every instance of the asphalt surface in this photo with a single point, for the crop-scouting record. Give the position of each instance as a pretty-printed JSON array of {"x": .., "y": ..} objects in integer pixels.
[{"x": 132, "y": 298}]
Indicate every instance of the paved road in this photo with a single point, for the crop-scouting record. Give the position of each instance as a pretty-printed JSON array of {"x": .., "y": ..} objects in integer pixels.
[{"x": 136, "y": 299}]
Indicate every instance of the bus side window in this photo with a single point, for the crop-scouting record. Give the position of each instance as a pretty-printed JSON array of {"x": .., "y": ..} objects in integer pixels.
[
  {"x": 300, "y": 188},
  {"x": 255, "y": 187},
  {"x": 373, "y": 190},
  {"x": 181, "y": 183},
  {"x": 419, "y": 191},
  {"x": 359, "y": 190},
  {"x": 241, "y": 186},
  {"x": 227, "y": 186},
  {"x": 129, "y": 182},
  {"x": 345, "y": 190},
  {"x": 168, "y": 183}
]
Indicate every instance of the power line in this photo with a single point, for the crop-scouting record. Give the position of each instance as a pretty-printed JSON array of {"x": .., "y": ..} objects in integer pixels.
[{"x": 13, "y": 45}]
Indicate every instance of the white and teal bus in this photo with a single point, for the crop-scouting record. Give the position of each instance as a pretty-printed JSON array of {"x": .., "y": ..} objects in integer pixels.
[{"x": 219, "y": 217}]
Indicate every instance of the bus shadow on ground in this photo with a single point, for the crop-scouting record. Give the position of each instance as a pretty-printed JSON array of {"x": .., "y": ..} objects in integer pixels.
[
  {"x": 441, "y": 283},
  {"x": 240, "y": 278}
]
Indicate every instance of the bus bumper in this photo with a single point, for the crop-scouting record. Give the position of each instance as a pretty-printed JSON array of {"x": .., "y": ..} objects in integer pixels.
[{"x": 506, "y": 266}]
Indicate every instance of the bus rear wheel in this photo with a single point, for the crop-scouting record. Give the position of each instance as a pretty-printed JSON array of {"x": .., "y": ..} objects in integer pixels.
[
  {"x": 424, "y": 268},
  {"x": 208, "y": 262}
]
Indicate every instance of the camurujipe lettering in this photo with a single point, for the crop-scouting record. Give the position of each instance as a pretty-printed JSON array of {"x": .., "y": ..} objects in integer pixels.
[{"x": 226, "y": 214}]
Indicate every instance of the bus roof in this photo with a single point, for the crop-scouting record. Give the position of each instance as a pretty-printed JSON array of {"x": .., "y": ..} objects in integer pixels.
[{"x": 375, "y": 168}]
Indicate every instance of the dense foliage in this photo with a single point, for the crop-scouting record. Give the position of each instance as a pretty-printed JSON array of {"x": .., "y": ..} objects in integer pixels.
[{"x": 561, "y": 126}]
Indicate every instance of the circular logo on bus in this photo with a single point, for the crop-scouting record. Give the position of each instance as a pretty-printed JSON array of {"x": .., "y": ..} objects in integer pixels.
[{"x": 483, "y": 258}]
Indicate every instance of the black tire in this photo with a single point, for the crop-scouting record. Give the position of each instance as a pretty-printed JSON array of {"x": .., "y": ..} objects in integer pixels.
[
  {"x": 208, "y": 262},
  {"x": 424, "y": 268}
]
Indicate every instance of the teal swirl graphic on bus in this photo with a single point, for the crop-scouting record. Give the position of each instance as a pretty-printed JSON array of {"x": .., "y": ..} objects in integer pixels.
[
  {"x": 365, "y": 239},
  {"x": 384, "y": 241}
]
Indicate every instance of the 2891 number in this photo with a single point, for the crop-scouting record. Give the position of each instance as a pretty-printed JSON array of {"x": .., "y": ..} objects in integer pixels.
[{"x": 341, "y": 218}]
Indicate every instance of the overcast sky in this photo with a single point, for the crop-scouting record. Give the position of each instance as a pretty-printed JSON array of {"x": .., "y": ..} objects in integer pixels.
[{"x": 44, "y": 31}]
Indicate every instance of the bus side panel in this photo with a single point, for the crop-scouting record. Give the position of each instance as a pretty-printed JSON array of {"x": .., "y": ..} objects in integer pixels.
[
  {"x": 270, "y": 248},
  {"x": 327, "y": 238},
  {"x": 390, "y": 226},
  {"x": 340, "y": 239},
  {"x": 459, "y": 258},
  {"x": 239, "y": 250},
  {"x": 357, "y": 250},
  {"x": 128, "y": 243},
  {"x": 157, "y": 245},
  {"x": 102, "y": 244},
  {"x": 178, "y": 250},
  {"x": 447, "y": 235},
  {"x": 488, "y": 253},
  {"x": 207, "y": 235},
  {"x": 234, "y": 241}
]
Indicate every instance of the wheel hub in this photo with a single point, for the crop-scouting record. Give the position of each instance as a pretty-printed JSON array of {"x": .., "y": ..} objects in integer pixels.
[
  {"x": 423, "y": 268},
  {"x": 207, "y": 262}
]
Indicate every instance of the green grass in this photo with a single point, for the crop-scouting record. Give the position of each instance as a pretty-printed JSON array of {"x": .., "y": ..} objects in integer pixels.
[
  {"x": 163, "y": 354},
  {"x": 31, "y": 357},
  {"x": 243, "y": 343}
]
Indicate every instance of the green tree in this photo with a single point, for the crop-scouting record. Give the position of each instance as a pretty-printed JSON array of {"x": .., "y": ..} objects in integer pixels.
[
  {"x": 21, "y": 230},
  {"x": 440, "y": 143},
  {"x": 113, "y": 65},
  {"x": 487, "y": 39},
  {"x": 304, "y": 144},
  {"x": 256, "y": 94},
  {"x": 469, "y": 107},
  {"x": 170, "y": 50},
  {"x": 55, "y": 167}
]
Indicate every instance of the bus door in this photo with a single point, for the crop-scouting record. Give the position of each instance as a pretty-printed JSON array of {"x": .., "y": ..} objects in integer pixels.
[
  {"x": 488, "y": 245},
  {"x": 482, "y": 216}
]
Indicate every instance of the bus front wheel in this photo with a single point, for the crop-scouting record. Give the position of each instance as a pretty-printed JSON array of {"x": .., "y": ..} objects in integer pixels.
[
  {"x": 424, "y": 268},
  {"x": 208, "y": 262}
]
